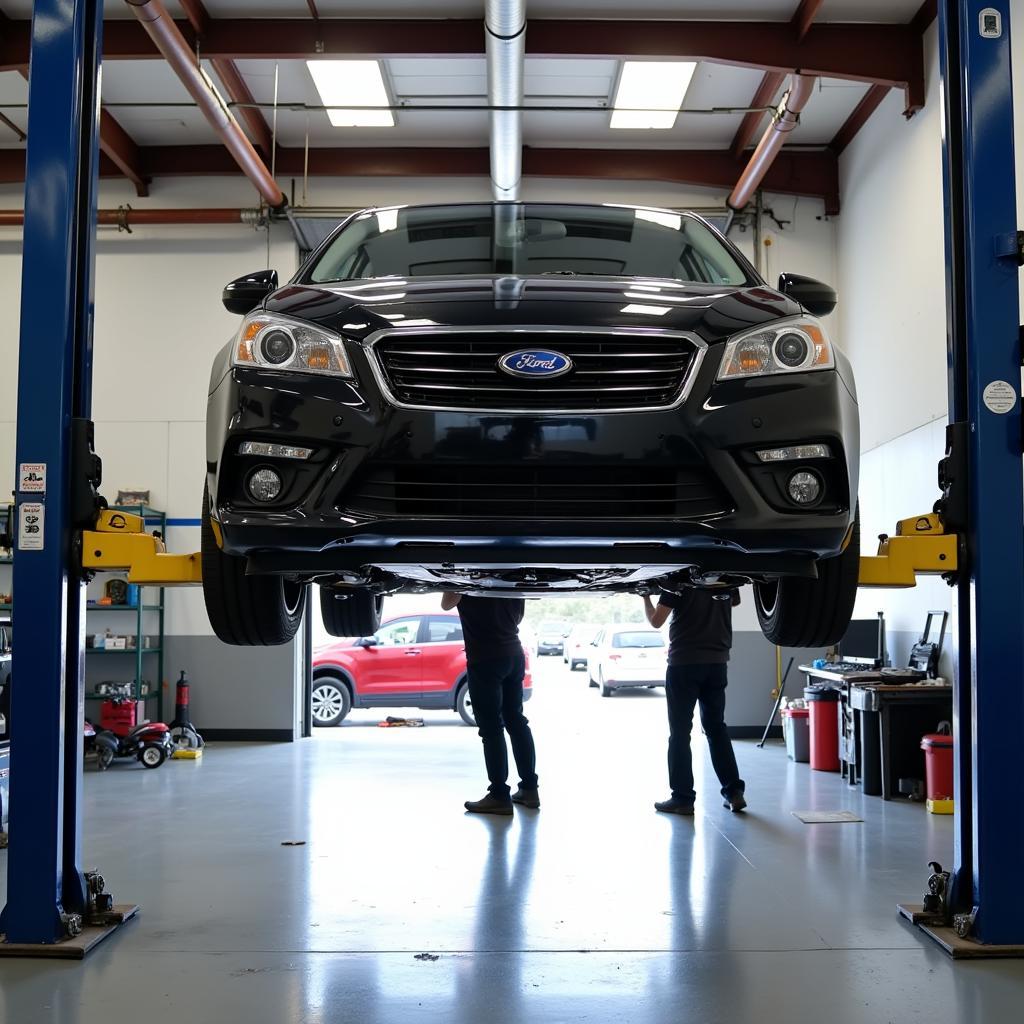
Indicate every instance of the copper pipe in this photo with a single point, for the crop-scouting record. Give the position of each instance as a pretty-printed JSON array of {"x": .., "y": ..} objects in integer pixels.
[
  {"x": 126, "y": 218},
  {"x": 171, "y": 43},
  {"x": 784, "y": 120}
]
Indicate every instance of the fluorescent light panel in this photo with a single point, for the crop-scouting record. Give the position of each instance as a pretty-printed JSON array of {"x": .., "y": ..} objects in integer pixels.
[
  {"x": 650, "y": 93},
  {"x": 344, "y": 84}
]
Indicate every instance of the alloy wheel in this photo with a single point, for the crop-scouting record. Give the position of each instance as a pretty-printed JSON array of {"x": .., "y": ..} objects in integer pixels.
[{"x": 328, "y": 703}]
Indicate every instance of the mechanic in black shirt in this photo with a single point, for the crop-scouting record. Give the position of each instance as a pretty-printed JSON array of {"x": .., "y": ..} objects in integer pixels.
[
  {"x": 496, "y": 664},
  {"x": 700, "y": 638}
]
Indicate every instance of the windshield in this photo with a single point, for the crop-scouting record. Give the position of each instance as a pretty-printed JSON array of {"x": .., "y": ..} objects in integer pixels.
[
  {"x": 638, "y": 639},
  {"x": 529, "y": 238}
]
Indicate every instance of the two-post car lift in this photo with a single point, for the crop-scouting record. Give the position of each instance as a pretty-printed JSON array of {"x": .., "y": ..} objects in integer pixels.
[{"x": 61, "y": 533}]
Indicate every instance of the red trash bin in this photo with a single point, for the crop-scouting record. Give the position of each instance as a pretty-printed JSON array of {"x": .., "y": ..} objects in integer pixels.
[
  {"x": 823, "y": 703},
  {"x": 938, "y": 765}
]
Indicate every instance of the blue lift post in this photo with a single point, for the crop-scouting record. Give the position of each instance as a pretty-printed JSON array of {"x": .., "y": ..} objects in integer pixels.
[
  {"x": 45, "y": 883},
  {"x": 984, "y": 338}
]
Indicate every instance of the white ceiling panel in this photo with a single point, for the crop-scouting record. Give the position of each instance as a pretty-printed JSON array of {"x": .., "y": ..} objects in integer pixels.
[{"x": 830, "y": 105}]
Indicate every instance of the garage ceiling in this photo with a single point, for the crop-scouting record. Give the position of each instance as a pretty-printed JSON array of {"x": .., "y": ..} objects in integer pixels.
[{"x": 163, "y": 132}]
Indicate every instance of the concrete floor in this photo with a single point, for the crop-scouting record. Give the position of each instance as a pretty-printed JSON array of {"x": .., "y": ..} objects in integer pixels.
[{"x": 593, "y": 909}]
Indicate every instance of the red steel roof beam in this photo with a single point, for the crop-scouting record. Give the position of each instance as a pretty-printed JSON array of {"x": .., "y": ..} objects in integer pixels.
[
  {"x": 751, "y": 123},
  {"x": 804, "y": 17},
  {"x": 784, "y": 121},
  {"x": 239, "y": 93},
  {"x": 868, "y": 105},
  {"x": 120, "y": 147}
]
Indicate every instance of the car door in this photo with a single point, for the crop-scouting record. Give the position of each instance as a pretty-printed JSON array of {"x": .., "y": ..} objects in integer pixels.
[
  {"x": 391, "y": 667},
  {"x": 444, "y": 653}
]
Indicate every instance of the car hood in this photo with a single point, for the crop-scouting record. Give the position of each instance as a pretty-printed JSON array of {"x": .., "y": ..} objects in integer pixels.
[{"x": 360, "y": 308}]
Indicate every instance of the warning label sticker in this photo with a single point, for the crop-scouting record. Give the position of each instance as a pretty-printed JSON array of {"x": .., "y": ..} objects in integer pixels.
[
  {"x": 31, "y": 526},
  {"x": 999, "y": 397},
  {"x": 32, "y": 477}
]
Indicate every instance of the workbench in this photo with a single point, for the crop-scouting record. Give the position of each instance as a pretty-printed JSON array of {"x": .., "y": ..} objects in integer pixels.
[{"x": 876, "y": 749}]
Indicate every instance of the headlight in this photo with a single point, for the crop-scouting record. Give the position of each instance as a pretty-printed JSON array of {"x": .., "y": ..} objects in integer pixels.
[
  {"x": 790, "y": 346},
  {"x": 280, "y": 343}
]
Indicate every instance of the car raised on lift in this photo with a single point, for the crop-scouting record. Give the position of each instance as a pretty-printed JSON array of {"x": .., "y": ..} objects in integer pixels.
[{"x": 528, "y": 399}]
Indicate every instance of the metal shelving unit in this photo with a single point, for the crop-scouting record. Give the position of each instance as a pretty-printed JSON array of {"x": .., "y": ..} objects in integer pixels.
[{"x": 146, "y": 611}]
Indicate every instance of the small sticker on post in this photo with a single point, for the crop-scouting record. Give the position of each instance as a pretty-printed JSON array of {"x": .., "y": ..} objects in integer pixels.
[
  {"x": 31, "y": 526},
  {"x": 1000, "y": 397},
  {"x": 990, "y": 23},
  {"x": 32, "y": 477}
]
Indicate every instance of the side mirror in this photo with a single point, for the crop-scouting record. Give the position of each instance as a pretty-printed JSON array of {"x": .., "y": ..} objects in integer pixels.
[
  {"x": 366, "y": 641},
  {"x": 244, "y": 294},
  {"x": 815, "y": 297}
]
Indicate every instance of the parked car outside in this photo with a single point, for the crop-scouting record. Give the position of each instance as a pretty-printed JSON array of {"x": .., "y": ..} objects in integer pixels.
[
  {"x": 627, "y": 656},
  {"x": 412, "y": 661},
  {"x": 529, "y": 398},
  {"x": 551, "y": 637},
  {"x": 577, "y": 646}
]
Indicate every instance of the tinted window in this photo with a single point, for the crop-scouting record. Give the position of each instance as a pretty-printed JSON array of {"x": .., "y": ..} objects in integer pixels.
[
  {"x": 528, "y": 238},
  {"x": 444, "y": 631},
  {"x": 638, "y": 639},
  {"x": 402, "y": 631}
]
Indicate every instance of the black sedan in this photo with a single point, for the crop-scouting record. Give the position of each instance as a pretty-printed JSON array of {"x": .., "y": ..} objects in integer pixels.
[{"x": 528, "y": 399}]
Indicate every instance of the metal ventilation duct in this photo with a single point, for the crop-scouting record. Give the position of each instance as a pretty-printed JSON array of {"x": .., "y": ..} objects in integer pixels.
[{"x": 505, "y": 24}]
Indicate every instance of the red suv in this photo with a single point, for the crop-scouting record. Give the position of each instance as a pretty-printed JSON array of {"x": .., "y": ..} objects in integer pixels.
[{"x": 414, "y": 661}]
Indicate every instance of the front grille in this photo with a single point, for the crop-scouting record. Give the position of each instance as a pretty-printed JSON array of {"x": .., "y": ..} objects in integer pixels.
[
  {"x": 550, "y": 491},
  {"x": 460, "y": 371}
]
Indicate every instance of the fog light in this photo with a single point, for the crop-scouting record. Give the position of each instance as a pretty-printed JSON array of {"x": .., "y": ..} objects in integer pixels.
[
  {"x": 264, "y": 484},
  {"x": 794, "y": 452},
  {"x": 275, "y": 451},
  {"x": 804, "y": 487}
]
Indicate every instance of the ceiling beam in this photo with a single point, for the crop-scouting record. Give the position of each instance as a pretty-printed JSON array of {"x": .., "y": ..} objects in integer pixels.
[
  {"x": 882, "y": 54},
  {"x": 122, "y": 151},
  {"x": 926, "y": 14},
  {"x": 804, "y": 17},
  {"x": 795, "y": 172},
  {"x": 198, "y": 16},
  {"x": 749, "y": 127},
  {"x": 858, "y": 118},
  {"x": 117, "y": 146},
  {"x": 239, "y": 93}
]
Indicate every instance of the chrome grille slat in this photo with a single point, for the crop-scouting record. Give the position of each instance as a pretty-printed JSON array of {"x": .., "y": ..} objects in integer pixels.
[{"x": 457, "y": 369}]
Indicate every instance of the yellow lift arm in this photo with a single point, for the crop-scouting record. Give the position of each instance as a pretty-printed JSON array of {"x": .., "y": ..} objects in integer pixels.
[
  {"x": 120, "y": 543},
  {"x": 920, "y": 547}
]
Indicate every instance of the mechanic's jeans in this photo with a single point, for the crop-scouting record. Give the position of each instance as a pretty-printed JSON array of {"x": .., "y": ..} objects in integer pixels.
[
  {"x": 496, "y": 690},
  {"x": 685, "y": 686}
]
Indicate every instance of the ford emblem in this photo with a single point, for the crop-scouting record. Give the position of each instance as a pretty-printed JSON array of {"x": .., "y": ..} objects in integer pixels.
[{"x": 535, "y": 362}]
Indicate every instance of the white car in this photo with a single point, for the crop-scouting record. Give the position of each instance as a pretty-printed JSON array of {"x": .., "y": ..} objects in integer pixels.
[
  {"x": 627, "y": 656},
  {"x": 576, "y": 651}
]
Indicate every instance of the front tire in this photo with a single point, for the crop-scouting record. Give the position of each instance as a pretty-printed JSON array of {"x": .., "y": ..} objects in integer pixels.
[
  {"x": 246, "y": 611},
  {"x": 464, "y": 705},
  {"x": 351, "y": 612},
  {"x": 798, "y": 612},
  {"x": 152, "y": 755},
  {"x": 331, "y": 702}
]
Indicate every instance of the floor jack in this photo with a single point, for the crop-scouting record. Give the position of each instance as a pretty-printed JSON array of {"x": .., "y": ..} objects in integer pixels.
[{"x": 188, "y": 744}]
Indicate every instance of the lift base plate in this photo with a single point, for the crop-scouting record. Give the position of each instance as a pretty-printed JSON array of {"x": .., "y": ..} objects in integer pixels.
[
  {"x": 956, "y": 947},
  {"x": 76, "y": 948}
]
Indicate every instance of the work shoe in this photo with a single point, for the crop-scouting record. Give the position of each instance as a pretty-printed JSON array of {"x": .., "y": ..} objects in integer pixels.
[
  {"x": 674, "y": 806},
  {"x": 526, "y": 798},
  {"x": 489, "y": 805},
  {"x": 735, "y": 801}
]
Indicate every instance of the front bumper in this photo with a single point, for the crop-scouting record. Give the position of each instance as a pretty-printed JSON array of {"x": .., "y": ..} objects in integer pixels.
[{"x": 350, "y": 425}]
